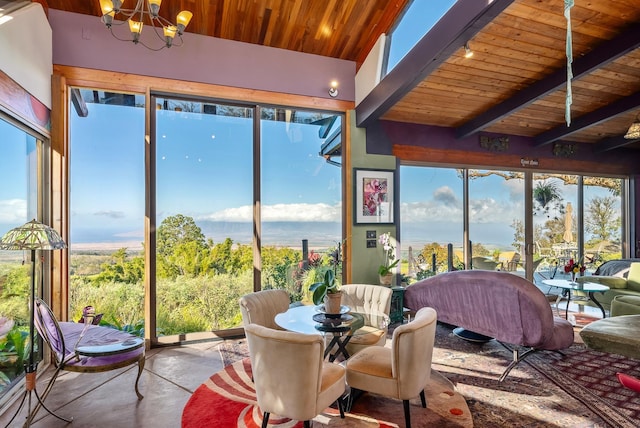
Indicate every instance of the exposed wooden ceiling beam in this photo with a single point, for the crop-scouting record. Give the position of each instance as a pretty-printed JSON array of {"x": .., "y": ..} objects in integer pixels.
[
  {"x": 612, "y": 143},
  {"x": 595, "y": 117},
  {"x": 457, "y": 26},
  {"x": 626, "y": 42}
]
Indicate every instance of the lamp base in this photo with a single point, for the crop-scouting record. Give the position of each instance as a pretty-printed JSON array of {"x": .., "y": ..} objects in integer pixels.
[{"x": 30, "y": 387}]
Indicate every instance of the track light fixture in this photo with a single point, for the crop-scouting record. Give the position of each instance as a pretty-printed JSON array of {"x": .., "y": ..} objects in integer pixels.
[{"x": 468, "y": 53}]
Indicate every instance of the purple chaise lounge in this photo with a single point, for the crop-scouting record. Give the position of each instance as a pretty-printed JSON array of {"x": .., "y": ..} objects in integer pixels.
[{"x": 500, "y": 305}]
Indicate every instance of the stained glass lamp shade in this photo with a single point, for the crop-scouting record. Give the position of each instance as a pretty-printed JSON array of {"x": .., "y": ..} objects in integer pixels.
[{"x": 32, "y": 235}]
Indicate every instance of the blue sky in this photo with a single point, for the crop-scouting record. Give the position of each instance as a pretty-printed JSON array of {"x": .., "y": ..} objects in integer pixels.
[{"x": 15, "y": 146}]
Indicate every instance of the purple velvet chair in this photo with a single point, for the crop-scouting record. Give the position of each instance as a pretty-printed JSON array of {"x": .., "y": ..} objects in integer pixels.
[
  {"x": 500, "y": 305},
  {"x": 87, "y": 348}
]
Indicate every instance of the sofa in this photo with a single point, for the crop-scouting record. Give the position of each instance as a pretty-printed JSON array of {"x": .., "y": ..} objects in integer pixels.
[
  {"x": 618, "y": 284},
  {"x": 497, "y": 304}
]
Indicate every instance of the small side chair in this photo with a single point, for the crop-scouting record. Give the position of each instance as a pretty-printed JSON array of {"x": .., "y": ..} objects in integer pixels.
[
  {"x": 402, "y": 371},
  {"x": 291, "y": 378},
  {"x": 87, "y": 348}
]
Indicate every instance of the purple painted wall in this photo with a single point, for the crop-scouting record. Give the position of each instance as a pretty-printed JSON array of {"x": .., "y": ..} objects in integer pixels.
[
  {"x": 83, "y": 41},
  {"x": 387, "y": 133}
]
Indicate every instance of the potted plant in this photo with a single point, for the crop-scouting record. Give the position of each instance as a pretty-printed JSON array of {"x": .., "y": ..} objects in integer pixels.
[
  {"x": 390, "y": 261},
  {"x": 327, "y": 292}
]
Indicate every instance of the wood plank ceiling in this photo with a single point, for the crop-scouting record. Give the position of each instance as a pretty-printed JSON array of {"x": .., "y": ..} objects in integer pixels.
[
  {"x": 345, "y": 29},
  {"x": 515, "y": 83}
]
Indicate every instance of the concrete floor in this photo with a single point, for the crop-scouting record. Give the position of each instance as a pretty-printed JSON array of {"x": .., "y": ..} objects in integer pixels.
[{"x": 108, "y": 399}]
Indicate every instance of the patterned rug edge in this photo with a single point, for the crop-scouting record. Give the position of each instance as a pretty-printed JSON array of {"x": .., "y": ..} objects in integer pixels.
[{"x": 541, "y": 363}]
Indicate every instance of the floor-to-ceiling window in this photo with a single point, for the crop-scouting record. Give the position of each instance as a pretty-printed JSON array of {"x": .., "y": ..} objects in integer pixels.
[
  {"x": 571, "y": 217},
  {"x": 106, "y": 196},
  {"x": 221, "y": 194},
  {"x": 204, "y": 214},
  {"x": 301, "y": 209},
  {"x": 21, "y": 153}
]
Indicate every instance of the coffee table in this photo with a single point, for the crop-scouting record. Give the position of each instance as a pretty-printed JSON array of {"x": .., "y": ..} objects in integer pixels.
[
  {"x": 309, "y": 319},
  {"x": 588, "y": 287}
]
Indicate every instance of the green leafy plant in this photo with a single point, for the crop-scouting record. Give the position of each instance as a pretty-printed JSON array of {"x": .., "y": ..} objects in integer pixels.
[{"x": 329, "y": 285}]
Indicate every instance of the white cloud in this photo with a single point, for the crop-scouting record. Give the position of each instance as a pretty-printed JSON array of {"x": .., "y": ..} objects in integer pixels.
[
  {"x": 13, "y": 211},
  {"x": 110, "y": 214},
  {"x": 281, "y": 212}
]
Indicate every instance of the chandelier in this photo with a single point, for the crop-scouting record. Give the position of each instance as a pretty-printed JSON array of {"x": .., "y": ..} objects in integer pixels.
[{"x": 145, "y": 11}]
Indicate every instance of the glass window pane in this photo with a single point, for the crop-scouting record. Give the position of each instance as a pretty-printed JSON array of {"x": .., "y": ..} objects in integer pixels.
[
  {"x": 18, "y": 204},
  {"x": 496, "y": 220},
  {"x": 204, "y": 193},
  {"x": 417, "y": 20},
  {"x": 106, "y": 262},
  {"x": 301, "y": 197},
  {"x": 555, "y": 214},
  {"x": 602, "y": 221},
  {"x": 431, "y": 218}
]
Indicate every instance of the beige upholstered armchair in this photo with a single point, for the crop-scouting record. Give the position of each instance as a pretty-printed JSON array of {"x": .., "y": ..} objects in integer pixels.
[
  {"x": 402, "y": 371},
  {"x": 261, "y": 307},
  {"x": 290, "y": 375},
  {"x": 367, "y": 299}
]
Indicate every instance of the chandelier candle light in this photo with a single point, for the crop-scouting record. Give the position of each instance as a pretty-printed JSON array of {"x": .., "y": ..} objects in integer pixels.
[{"x": 145, "y": 11}]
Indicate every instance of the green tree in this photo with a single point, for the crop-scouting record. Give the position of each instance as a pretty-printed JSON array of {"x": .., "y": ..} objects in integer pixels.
[
  {"x": 441, "y": 256},
  {"x": 121, "y": 269},
  {"x": 176, "y": 230},
  {"x": 602, "y": 219},
  {"x": 180, "y": 243}
]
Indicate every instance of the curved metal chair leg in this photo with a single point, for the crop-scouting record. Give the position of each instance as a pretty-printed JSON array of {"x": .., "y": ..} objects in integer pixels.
[
  {"x": 517, "y": 357},
  {"x": 140, "y": 369}
]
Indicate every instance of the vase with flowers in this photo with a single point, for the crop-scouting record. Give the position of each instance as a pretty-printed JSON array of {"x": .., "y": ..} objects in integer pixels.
[
  {"x": 573, "y": 268},
  {"x": 389, "y": 262}
]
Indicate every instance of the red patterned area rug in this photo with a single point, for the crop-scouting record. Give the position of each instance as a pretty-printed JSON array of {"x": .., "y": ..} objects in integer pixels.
[
  {"x": 227, "y": 400},
  {"x": 538, "y": 392},
  {"x": 590, "y": 376}
]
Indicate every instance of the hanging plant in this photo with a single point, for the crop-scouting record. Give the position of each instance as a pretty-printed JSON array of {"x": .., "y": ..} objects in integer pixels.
[{"x": 546, "y": 196}]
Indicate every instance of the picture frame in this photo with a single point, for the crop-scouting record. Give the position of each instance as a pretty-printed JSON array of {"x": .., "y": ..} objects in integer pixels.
[{"x": 374, "y": 196}]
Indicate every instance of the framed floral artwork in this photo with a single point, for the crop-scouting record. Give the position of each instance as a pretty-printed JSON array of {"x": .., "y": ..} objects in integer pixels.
[{"x": 374, "y": 198}]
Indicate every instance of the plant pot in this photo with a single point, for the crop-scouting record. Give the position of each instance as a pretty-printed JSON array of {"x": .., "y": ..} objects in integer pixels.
[
  {"x": 386, "y": 279},
  {"x": 332, "y": 303}
]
